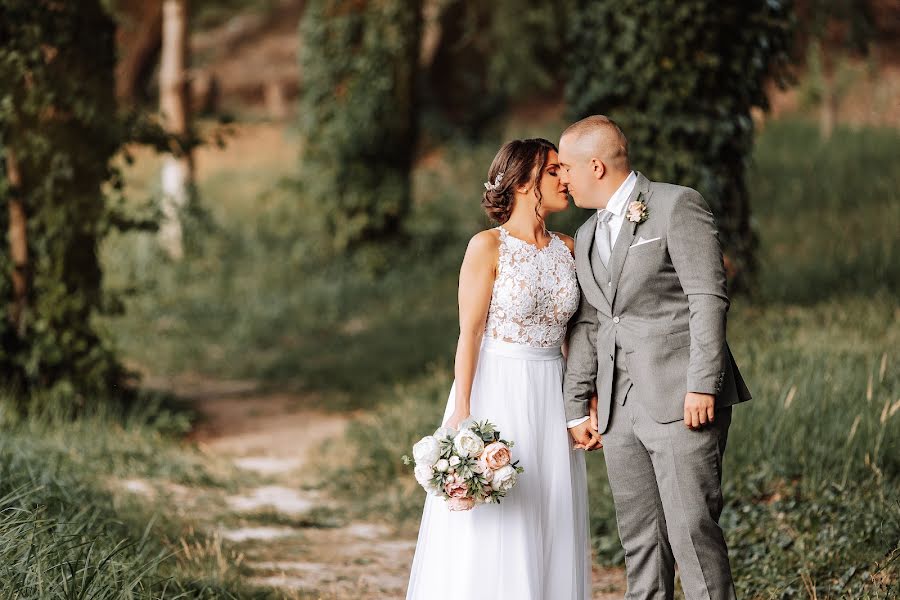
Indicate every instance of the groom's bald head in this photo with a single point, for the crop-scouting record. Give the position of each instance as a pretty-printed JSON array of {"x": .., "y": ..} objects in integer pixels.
[{"x": 598, "y": 136}]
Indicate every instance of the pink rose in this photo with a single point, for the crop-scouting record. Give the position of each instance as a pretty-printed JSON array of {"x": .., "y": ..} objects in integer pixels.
[
  {"x": 636, "y": 211},
  {"x": 462, "y": 503},
  {"x": 496, "y": 455},
  {"x": 456, "y": 487}
]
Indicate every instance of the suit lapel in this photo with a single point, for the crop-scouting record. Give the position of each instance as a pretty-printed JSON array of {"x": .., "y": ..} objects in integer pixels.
[
  {"x": 626, "y": 234},
  {"x": 584, "y": 243}
]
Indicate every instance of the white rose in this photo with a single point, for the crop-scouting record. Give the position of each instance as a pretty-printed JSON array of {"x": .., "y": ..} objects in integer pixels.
[
  {"x": 468, "y": 443},
  {"x": 444, "y": 432},
  {"x": 427, "y": 451},
  {"x": 504, "y": 478},
  {"x": 442, "y": 465},
  {"x": 454, "y": 460},
  {"x": 423, "y": 474}
]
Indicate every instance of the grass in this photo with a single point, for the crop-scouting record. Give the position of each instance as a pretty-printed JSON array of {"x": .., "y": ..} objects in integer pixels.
[{"x": 69, "y": 528}]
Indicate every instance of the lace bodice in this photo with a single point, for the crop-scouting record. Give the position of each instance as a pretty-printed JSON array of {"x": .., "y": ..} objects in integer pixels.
[{"x": 535, "y": 292}]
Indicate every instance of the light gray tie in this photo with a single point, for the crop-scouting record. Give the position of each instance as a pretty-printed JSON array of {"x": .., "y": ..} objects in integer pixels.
[{"x": 603, "y": 246}]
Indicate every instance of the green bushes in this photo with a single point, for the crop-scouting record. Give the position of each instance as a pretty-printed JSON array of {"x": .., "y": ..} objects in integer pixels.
[{"x": 358, "y": 118}]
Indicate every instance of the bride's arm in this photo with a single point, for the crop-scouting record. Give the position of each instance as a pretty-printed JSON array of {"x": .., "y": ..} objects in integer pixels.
[{"x": 476, "y": 282}]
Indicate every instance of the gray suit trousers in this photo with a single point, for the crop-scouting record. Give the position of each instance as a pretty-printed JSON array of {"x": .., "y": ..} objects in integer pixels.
[{"x": 666, "y": 484}]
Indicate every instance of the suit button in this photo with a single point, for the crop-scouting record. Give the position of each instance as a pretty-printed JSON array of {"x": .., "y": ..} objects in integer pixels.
[{"x": 615, "y": 319}]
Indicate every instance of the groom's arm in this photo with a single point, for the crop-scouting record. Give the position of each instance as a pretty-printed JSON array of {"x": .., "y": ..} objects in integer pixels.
[
  {"x": 693, "y": 241},
  {"x": 581, "y": 365}
]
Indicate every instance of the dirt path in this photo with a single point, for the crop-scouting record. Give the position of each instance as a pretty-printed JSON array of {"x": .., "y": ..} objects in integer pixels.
[{"x": 290, "y": 535}]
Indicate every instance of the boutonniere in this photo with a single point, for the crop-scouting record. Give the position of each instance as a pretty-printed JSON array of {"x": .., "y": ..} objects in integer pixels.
[{"x": 637, "y": 212}]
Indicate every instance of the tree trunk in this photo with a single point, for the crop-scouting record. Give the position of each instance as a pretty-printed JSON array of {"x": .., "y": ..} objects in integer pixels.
[
  {"x": 140, "y": 39},
  {"x": 177, "y": 171},
  {"x": 18, "y": 243}
]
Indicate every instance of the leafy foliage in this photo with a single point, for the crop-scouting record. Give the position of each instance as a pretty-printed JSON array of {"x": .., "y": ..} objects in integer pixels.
[
  {"x": 488, "y": 56},
  {"x": 358, "y": 116},
  {"x": 58, "y": 117},
  {"x": 680, "y": 78}
]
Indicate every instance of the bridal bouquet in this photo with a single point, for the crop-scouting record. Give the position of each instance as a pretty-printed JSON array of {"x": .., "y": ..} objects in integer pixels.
[{"x": 465, "y": 466}]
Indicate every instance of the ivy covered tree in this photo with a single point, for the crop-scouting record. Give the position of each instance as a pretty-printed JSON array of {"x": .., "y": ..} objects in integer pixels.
[
  {"x": 680, "y": 77},
  {"x": 58, "y": 132},
  {"x": 358, "y": 115}
]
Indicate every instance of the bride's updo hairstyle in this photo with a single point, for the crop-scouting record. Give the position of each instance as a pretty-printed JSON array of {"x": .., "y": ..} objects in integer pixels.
[{"x": 518, "y": 163}]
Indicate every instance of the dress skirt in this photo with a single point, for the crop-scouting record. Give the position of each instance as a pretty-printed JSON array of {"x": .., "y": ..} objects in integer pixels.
[{"x": 534, "y": 544}]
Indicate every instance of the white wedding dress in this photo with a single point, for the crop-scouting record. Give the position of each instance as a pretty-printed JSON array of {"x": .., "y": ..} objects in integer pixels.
[{"x": 534, "y": 544}]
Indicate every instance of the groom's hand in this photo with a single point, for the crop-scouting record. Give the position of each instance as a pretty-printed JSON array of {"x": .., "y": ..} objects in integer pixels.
[
  {"x": 585, "y": 436},
  {"x": 699, "y": 409}
]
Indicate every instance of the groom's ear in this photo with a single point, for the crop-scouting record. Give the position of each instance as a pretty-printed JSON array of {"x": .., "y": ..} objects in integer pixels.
[{"x": 598, "y": 168}]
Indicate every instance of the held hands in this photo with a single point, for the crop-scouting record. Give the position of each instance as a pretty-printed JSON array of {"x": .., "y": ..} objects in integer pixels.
[
  {"x": 586, "y": 434},
  {"x": 699, "y": 409}
]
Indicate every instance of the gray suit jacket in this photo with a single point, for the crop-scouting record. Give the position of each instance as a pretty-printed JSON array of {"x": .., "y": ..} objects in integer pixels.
[{"x": 659, "y": 311}]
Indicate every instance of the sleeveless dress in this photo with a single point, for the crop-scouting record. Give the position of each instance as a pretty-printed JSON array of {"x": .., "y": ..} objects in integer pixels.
[{"x": 534, "y": 544}]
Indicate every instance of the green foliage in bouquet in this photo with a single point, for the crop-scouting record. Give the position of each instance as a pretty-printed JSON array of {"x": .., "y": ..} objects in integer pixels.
[
  {"x": 680, "y": 77},
  {"x": 359, "y": 61},
  {"x": 446, "y": 459},
  {"x": 59, "y": 126}
]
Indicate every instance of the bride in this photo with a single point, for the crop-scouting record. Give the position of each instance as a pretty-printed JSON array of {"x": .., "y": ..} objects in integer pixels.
[{"x": 517, "y": 291}]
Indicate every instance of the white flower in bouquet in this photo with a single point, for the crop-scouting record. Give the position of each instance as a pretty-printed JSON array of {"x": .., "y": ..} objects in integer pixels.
[
  {"x": 427, "y": 451},
  {"x": 504, "y": 478},
  {"x": 454, "y": 461},
  {"x": 441, "y": 433},
  {"x": 423, "y": 474},
  {"x": 442, "y": 465},
  {"x": 468, "y": 443}
]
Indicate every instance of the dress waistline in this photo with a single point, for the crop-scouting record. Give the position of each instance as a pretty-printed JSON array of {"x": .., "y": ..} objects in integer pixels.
[{"x": 511, "y": 350}]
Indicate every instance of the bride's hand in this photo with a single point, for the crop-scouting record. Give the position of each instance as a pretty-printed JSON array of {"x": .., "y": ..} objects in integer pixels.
[{"x": 455, "y": 419}]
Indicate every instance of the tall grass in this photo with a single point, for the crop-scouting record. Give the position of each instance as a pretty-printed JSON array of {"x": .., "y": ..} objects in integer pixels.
[{"x": 68, "y": 529}]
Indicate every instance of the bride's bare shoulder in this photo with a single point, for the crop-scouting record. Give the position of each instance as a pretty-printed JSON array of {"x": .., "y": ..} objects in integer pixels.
[{"x": 484, "y": 247}]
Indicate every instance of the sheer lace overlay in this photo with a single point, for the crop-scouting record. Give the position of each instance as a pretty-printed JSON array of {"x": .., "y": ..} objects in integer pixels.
[{"x": 535, "y": 293}]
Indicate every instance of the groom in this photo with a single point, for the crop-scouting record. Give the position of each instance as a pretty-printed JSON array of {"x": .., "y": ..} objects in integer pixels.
[{"x": 649, "y": 340}]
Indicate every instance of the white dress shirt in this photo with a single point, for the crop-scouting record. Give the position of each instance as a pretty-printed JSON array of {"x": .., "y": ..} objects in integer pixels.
[{"x": 616, "y": 206}]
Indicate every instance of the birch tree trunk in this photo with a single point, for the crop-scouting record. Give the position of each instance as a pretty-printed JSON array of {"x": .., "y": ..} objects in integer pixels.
[
  {"x": 177, "y": 170},
  {"x": 18, "y": 243}
]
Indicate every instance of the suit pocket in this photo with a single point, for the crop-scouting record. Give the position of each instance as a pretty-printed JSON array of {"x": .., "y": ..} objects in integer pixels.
[
  {"x": 678, "y": 340},
  {"x": 645, "y": 247}
]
